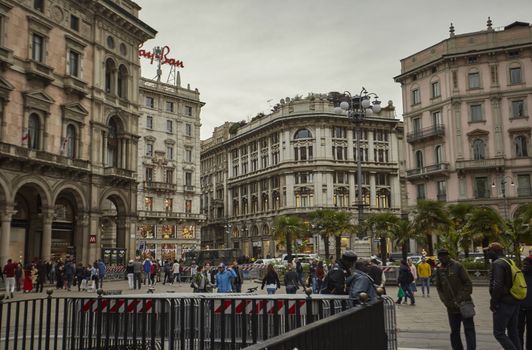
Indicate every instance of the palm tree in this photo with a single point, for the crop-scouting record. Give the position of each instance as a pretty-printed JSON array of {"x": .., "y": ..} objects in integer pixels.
[
  {"x": 430, "y": 217},
  {"x": 286, "y": 228},
  {"x": 517, "y": 231},
  {"x": 320, "y": 223},
  {"x": 381, "y": 226},
  {"x": 484, "y": 224},
  {"x": 459, "y": 215},
  {"x": 402, "y": 232},
  {"x": 341, "y": 223}
]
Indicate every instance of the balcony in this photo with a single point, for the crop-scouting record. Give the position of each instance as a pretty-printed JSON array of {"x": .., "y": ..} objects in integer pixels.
[
  {"x": 6, "y": 57},
  {"x": 75, "y": 86},
  {"x": 434, "y": 131},
  {"x": 161, "y": 187},
  {"x": 117, "y": 172},
  {"x": 480, "y": 164},
  {"x": 169, "y": 215},
  {"x": 524, "y": 192},
  {"x": 39, "y": 71},
  {"x": 428, "y": 171},
  {"x": 217, "y": 203},
  {"x": 189, "y": 188}
]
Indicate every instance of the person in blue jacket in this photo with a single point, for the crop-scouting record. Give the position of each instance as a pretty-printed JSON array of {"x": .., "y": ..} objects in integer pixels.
[
  {"x": 224, "y": 278},
  {"x": 147, "y": 270},
  {"x": 102, "y": 269}
]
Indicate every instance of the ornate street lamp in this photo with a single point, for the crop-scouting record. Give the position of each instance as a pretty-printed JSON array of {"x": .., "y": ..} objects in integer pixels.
[
  {"x": 356, "y": 108},
  {"x": 503, "y": 191}
]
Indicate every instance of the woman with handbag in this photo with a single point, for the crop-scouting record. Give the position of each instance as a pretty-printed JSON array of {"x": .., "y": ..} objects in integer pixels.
[{"x": 455, "y": 289}]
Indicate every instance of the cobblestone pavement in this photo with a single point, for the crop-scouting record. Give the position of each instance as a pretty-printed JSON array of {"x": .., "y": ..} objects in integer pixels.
[{"x": 423, "y": 326}]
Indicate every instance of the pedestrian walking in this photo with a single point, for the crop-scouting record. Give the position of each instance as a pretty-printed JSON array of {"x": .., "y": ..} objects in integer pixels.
[
  {"x": 525, "y": 313},
  {"x": 424, "y": 272},
  {"x": 210, "y": 276},
  {"x": 153, "y": 273},
  {"x": 28, "y": 281},
  {"x": 199, "y": 281},
  {"x": 239, "y": 279},
  {"x": 336, "y": 277},
  {"x": 80, "y": 274},
  {"x": 223, "y": 279},
  {"x": 319, "y": 276},
  {"x": 271, "y": 280},
  {"x": 455, "y": 288},
  {"x": 299, "y": 271},
  {"x": 147, "y": 270},
  {"x": 376, "y": 274},
  {"x": 413, "y": 270},
  {"x": 102, "y": 270},
  {"x": 175, "y": 270},
  {"x": 41, "y": 276},
  {"x": 405, "y": 280},
  {"x": 52, "y": 273},
  {"x": 70, "y": 271},
  {"x": 130, "y": 273},
  {"x": 360, "y": 282},
  {"x": 167, "y": 269},
  {"x": 138, "y": 270},
  {"x": 19, "y": 273},
  {"x": 503, "y": 304},
  {"x": 291, "y": 280},
  {"x": 9, "y": 273},
  {"x": 312, "y": 279}
]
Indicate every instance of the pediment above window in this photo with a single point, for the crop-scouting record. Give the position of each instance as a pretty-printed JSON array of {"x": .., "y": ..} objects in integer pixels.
[
  {"x": 39, "y": 100},
  {"x": 75, "y": 112},
  {"x": 149, "y": 138},
  {"x": 524, "y": 130},
  {"x": 478, "y": 133},
  {"x": 5, "y": 89}
]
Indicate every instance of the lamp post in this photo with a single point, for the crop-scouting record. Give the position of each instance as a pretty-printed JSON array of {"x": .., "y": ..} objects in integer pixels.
[
  {"x": 503, "y": 191},
  {"x": 356, "y": 108}
]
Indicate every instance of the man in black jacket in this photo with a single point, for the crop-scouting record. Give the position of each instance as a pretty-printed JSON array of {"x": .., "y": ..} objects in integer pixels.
[
  {"x": 335, "y": 279},
  {"x": 503, "y": 305}
]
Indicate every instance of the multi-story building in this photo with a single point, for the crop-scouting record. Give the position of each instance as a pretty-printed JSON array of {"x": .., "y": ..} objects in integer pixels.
[
  {"x": 168, "y": 170},
  {"x": 466, "y": 107},
  {"x": 68, "y": 128},
  {"x": 297, "y": 159}
]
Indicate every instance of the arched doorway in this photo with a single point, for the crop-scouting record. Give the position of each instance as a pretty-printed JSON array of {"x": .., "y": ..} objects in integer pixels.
[
  {"x": 113, "y": 230},
  {"x": 29, "y": 224},
  {"x": 66, "y": 231}
]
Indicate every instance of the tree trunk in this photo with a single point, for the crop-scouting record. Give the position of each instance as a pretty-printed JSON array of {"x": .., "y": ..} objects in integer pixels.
[
  {"x": 517, "y": 253},
  {"x": 288, "y": 243},
  {"x": 338, "y": 246},
  {"x": 466, "y": 251},
  {"x": 383, "y": 250},
  {"x": 404, "y": 251},
  {"x": 485, "y": 243},
  {"x": 430, "y": 246},
  {"x": 326, "y": 245}
]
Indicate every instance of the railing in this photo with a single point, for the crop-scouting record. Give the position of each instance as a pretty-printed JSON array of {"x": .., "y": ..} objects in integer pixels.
[
  {"x": 177, "y": 321},
  {"x": 480, "y": 163},
  {"x": 43, "y": 156},
  {"x": 418, "y": 135},
  {"x": 160, "y": 186},
  {"x": 362, "y": 325},
  {"x": 169, "y": 214},
  {"x": 188, "y": 188},
  {"x": 118, "y": 172},
  {"x": 427, "y": 170},
  {"x": 524, "y": 192}
]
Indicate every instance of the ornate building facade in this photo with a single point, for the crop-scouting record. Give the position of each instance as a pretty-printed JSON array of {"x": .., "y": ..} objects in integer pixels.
[
  {"x": 299, "y": 158},
  {"x": 168, "y": 169},
  {"x": 69, "y": 128},
  {"x": 466, "y": 107}
]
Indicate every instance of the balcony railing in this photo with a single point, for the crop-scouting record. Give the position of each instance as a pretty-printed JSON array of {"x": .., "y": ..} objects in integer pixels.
[
  {"x": 189, "y": 188},
  {"x": 479, "y": 164},
  {"x": 76, "y": 86},
  {"x": 437, "y": 130},
  {"x": 159, "y": 186},
  {"x": 170, "y": 215},
  {"x": 6, "y": 57},
  {"x": 111, "y": 171},
  {"x": 42, "y": 156},
  {"x": 524, "y": 192},
  {"x": 428, "y": 170},
  {"x": 39, "y": 71}
]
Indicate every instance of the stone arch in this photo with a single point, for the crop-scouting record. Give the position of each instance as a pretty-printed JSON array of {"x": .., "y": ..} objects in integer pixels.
[
  {"x": 41, "y": 186},
  {"x": 265, "y": 230},
  {"x": 76, "y": 191},
  {"x": 254, "y": 231},
  {"x": 118, "y": 200},
  {"x": 113, "y": 225},
  {"x": 5, "y": 193}
]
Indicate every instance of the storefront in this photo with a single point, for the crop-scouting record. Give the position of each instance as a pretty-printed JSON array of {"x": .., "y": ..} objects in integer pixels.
[
  {"x": 257, "y": 249},
  {"x": 114, "y": 256}
]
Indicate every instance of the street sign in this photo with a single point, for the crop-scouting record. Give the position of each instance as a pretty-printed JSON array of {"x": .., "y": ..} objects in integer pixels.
[{"x": 92, "y": 239}]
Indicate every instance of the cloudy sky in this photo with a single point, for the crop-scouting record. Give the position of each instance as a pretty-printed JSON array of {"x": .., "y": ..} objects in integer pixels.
[{"x": 245, "y": 55}]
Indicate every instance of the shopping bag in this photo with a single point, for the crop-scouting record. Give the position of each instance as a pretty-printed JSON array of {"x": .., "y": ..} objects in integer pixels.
[{"x": 400, "y": 293}]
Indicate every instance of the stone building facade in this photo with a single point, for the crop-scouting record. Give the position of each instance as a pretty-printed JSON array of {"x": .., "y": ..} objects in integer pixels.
[
  {"x": 467, "y": 103},
  {"x": 168, "y": 170},
  {"x": 69, "y": 128},
  {"x": 297, "y": 159}
]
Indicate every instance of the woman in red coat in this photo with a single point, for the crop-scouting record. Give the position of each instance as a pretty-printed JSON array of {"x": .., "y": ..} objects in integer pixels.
[{"x": 28, "y": 284}]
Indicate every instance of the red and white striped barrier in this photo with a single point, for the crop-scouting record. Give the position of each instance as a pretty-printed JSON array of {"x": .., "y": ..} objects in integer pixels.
[
  {"x": 273, "y": 307},
  {"x": 119, "y": 306}
]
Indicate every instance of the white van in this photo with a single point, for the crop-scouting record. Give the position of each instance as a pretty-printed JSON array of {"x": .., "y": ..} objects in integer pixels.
[{"x": 303, "y": 257}]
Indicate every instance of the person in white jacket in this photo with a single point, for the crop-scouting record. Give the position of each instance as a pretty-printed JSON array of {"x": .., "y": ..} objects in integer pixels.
[{"x": 413, "y": 269}]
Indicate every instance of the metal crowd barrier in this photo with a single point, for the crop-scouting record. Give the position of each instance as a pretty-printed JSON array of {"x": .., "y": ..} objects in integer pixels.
[{"x": 165, "y": 321}]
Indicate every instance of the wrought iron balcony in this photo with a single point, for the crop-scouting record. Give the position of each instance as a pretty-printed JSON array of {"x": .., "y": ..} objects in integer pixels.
[
  {"x": 479, "y": 164},
  {"x": 427, "y": 171},
  {"x": 437, "y": 130},
  {"x": 159, "y": 186}
]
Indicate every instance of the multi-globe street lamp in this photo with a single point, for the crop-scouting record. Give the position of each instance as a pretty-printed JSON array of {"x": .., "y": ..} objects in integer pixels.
[
  {"x": 356, "y": 108},
  {"x": 503, "y": 191}
]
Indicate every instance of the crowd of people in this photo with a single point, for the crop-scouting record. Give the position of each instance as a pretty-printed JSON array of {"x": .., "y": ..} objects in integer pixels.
[{"x": 63, "y": 274}]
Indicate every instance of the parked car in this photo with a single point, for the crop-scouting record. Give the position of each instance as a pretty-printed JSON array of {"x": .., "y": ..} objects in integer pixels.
[{"x": 303, "y": 257}]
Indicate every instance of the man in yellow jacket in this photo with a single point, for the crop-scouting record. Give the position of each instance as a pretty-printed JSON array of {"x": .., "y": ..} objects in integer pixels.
[{"x": 424, "y": 272}]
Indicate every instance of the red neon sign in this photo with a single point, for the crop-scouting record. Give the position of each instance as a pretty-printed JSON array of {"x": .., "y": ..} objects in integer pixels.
[{"x": 163, "y": 56}]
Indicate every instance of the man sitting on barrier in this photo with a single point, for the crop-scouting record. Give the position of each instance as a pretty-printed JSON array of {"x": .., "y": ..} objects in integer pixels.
[
  {"x": 335, "y": 280},
  {"x": 361, "y": 282},
  {"x": 223, "y": 279}
]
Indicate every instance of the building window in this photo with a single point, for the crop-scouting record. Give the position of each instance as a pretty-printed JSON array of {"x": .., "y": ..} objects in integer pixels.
[
  {"x": 515, "y": 75},
  {"x": 110, "y": 71},
  {"x": 150, "y": 102},
  {"x": 494, "y": 75},
  {"x": 303, "y": 178},
  {"x": 382, "y": 179},
  {"x": 339, "y": 132},
  {"x": 455, "y": 79},
  {"x": 438, "y": 154},
  {"x": 441, "y": 190},
  {"x": 38, "y": 5},
  {"x": 340, "y": 177},
  {"x": 168, "y": 204},
  {"x": 363, "y": 132},
  {"x": 303, "y": 153},
  {"x": 518, "y": 109},
  {"x": 149, "y": 149},
  {"x": 416, "y": 97},
  {"x": 122, "y": 81},
  {"x": 73, "y": 63},
  {"x": 304, "y": 200},
  {"x": 169, "y": 126},
  {"x": 362, "y": 153},
  {"x": 188, "y": 155},
  {"x": 420, "y": 191},
  {"x": 339, "y": 152},
  {"x": 473, "y": 79},
  {"x": 188, "y": 111},
  {"x": 380, "y": 135},
  {"x": 416, "y": 125},
  {"x": 188, "y": 206},
  {"x": 169, "y": 106},
  {"x": 169, "y": 152},
  {"x": 275, "y": 157},
  {"x": 419, "y": 159},
  {"x": 188, "y": 129},
  {"x": 302, "y": 134},
  {"x": 481, "y": 187},
  {"x": 148, "y": 203},
  {"x": 149, "y": 122},
  {"x": 74, "y": 23},
  {"x": 37, "y": 48},
  {"x": 521, "y": 147},
  {"x": 188, "y": 178},
  {"x": 437, "y": 119},
  {"x": 524, "y": 188},
  {"x": 148, "y": 175},
  {"x": 475, "y": 113},
  {"x": 479, "y": 150},
  {"x": 34, "y": 132},
  {"x": 435, "y": 89},
  {"x": 71, "y": 141},
  {"x": 383, "y": 198},
  {"x": 169, "y": 176}
]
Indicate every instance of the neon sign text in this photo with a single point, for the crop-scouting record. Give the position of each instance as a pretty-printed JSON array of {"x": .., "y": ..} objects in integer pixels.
[{"x": 161, "y": 54}]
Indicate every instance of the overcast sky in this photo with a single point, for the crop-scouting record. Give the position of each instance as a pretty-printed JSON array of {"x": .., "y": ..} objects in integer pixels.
[{"x": 245, "y": 55}]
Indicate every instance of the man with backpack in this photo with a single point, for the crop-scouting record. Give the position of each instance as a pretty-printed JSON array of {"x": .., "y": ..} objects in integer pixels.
[
  {"x": 507, "y": 288},
  {"x": 405, "y": 280}
]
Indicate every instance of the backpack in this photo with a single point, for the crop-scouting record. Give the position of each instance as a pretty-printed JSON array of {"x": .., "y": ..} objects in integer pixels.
[{"x": 519, "y": 289}]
